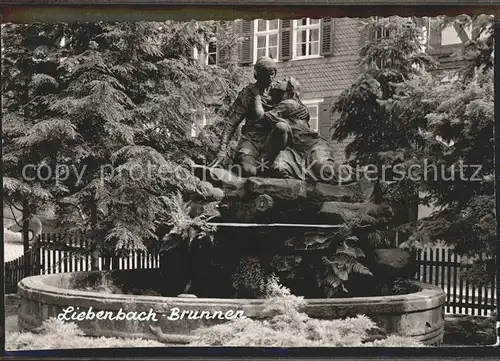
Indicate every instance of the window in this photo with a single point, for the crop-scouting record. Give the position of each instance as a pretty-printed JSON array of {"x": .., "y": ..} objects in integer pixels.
[
  {"x": 212, "y": 52},
  {"x": 424, "y": 39},
  {"x": 380, "y": 33},
  {"x": 313, "y": 116},
  {"x": 306, "y": 38},
  {"x": 266, "y": 39},
  {"x": 451, "y": 36},
  {"x": 209, "y": 56},
  {"x": 200, "y": 120},
  {"x": 313, "y": 107}
]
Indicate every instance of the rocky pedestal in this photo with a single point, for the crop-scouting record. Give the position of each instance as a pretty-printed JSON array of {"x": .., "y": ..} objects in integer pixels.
[
  {"x": 270, "y": 200},
  {"x": 294, "y": 225},
  {"x": 393, "y": 263}
]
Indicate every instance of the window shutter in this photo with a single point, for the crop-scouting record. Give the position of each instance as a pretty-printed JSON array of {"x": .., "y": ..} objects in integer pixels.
[
  {"x": 324, "y": 117},
  {"x": 246, "y": 46},
  {"x": 367, "y": 36},
  {"x": 286, "y": 39},
  {"x": 371, "y": 34},
  {"x": 435, "y": 36},
  {"x": 221, "y": 56},
  {"x": 222, "y": 51},
  {"x": 326, "y": 43}
]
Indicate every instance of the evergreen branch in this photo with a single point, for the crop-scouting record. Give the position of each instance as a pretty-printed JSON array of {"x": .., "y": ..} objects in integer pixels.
[{"x": 13, "y": 214}]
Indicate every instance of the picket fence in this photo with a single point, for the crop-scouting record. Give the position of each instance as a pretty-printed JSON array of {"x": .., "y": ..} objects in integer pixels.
[
  {"x": 57, "y": 253},
  {"x": 444, "y": 268},
  {"x": 16, "y": 270}
]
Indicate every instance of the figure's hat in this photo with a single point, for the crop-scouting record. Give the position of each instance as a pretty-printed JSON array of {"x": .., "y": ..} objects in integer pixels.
[{"x": 266, "y": 63}]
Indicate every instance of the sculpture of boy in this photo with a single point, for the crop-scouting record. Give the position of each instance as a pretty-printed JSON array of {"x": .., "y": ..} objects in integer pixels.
[{"x": 253, "y": 133}]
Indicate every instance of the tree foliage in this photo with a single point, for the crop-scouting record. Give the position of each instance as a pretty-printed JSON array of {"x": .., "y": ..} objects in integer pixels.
[
  {"x": 381, "y": 137},
  {"x": 114, "y": 103},
  {"x": 436, "y": 135},
  {"x": 458, "y": 174},
  {"x": 390, "y": 60}
]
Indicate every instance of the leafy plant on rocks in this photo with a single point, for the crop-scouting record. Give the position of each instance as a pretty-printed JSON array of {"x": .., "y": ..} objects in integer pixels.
[
  {"x": 323, "y": 257},
  {"x": 337, "y": 267},
  {"x": 249, "y": 277},
  {"x": 182, "y": 226}
]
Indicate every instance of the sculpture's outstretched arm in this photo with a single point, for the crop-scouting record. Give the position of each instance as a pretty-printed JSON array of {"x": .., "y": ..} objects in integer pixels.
[
  {"x": 234, "y": 118},
  {"x": 235, "y": 115}
]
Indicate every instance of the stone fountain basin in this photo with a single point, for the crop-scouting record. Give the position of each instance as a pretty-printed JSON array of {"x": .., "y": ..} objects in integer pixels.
[{"x": 418, "y": 315}]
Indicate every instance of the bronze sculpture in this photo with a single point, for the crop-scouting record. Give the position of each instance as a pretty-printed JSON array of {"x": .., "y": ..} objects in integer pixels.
[
  {"x": 253, "y": 133},
  {"x": 276, "y": 133}
]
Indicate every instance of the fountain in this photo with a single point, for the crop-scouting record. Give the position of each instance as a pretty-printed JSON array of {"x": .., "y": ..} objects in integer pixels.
[
  {"x": 314, "y": 236},
  {"x": 254, "y": 221}
]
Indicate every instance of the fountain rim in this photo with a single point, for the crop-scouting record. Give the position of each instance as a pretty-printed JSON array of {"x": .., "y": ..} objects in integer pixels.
[
  {"x": 277, "y": 225},
  {"x": 429, "y": 295}
]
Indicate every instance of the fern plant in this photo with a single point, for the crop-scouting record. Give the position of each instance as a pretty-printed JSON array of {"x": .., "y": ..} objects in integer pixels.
[
  {"x": 183, "y": 227},
  {"x": 328, "y": 258},
  {"x": 336, "y": 268}
]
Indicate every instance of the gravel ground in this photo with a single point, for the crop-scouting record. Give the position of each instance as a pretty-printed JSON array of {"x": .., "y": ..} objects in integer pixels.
[
  {"x": 11, "y": 305},
  {"x": 11, "y": 324},
  {"x": 469, "y": 331}
]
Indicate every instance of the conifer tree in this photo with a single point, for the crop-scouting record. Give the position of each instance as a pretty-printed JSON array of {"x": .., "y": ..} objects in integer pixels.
[
  {"x": 29, "y": 72},
  {"x": 382, "y": 138},
  {"x": 116, "y": 111}
]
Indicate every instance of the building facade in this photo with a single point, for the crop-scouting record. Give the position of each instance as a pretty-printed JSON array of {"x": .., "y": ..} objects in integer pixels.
[
  {"x": 444, "y": 42},
  {"x": 323, "y": 55}
]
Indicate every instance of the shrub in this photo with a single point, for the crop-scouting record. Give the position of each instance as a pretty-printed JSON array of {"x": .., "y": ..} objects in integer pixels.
[
  {"x": 283, "y": 325},
  {"x": 249, "y": 278},
  {"x": 56, "y": 334}
]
